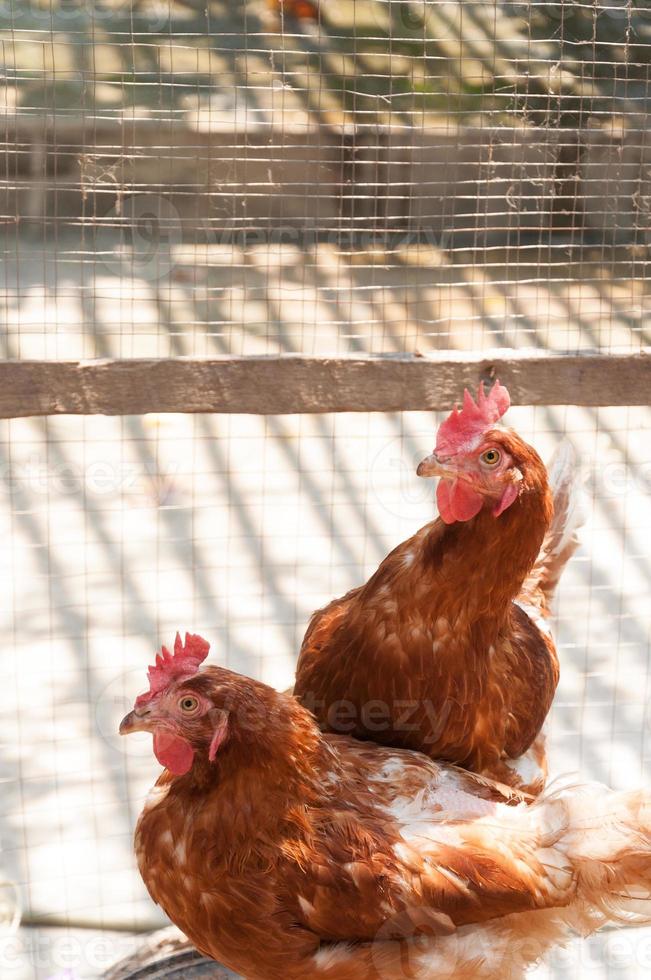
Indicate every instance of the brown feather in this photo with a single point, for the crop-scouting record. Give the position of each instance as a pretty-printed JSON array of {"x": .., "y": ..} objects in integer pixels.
[
  {"x": 433, "y": 653},
  {"x": 299, "y": 854}
]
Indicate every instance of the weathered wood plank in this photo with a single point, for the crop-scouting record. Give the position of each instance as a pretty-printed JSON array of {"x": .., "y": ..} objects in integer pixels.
[{"x": 290, "y": 384}]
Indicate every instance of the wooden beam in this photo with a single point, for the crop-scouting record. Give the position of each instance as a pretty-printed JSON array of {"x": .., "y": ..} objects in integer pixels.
[{"x": 293, "y": 384}]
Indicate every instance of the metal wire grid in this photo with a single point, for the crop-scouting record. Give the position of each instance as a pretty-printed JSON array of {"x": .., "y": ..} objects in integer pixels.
[
  {"x": 381, "y": 176},
  {"x": 120, "y": 531},
  {"x": 318, "y": 299},
  {"x": 388, "y": 177}
]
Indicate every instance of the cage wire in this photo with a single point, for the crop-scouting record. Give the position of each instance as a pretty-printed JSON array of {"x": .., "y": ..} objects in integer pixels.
[{"x": 195, "y": 177}]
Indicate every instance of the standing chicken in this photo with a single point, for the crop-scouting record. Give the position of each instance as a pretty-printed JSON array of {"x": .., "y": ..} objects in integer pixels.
[
  {"x": 289, "y": 854},
  {"x": 447, "y": 648}
]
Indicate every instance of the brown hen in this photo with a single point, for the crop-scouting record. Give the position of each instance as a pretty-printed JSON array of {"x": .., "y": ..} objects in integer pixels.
[
  {"x": 288, "y": 854},
  {"x": 447, "y": 648}
]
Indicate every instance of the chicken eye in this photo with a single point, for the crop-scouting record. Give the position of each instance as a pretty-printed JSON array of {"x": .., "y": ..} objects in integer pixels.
[
  {"x": 188, "y": 703},
  {"x": 491, "y": 457}
]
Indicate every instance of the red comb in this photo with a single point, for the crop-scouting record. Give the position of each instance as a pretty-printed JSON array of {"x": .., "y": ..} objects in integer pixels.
[
  {"x": 184, "y": 662},
  {"x": 461, "y": 428}
]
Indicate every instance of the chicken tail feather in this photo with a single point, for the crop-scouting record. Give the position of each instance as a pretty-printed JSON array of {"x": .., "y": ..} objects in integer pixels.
[
  {"x": 608, "y": 841},
  {"x": 562, "y": 538}
]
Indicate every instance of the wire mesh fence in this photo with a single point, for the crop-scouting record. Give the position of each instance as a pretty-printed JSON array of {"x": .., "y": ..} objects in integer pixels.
[
  {"x": 124, "y": 530},
  {"x": 238, "y": 178},
  {"x": 275, "y": 177}
]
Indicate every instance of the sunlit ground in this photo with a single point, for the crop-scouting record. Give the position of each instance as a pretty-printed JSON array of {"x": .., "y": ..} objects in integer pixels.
[{"x": 118, "y": 531}]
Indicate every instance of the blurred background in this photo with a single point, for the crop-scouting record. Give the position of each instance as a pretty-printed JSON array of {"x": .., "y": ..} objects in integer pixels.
[{"x": 264, "y": 177}]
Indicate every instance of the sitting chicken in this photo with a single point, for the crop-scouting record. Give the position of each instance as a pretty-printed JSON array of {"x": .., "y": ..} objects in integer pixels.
[
  {"x": 447, "y": 647},
  {"x": 290, "y": 854}
]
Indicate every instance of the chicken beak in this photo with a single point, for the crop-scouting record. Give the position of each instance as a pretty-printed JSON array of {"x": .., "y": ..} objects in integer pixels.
[
  {"x": 432, "y": 466},
  {"x": 135, "y": 722}
]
